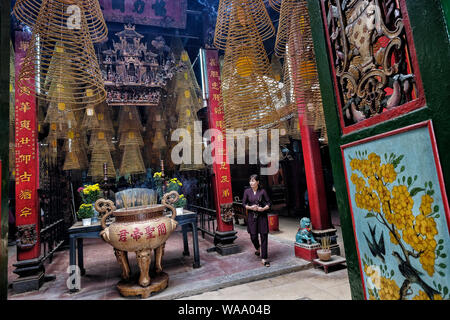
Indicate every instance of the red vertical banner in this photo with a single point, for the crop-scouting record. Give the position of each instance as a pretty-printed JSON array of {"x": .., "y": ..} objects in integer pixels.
[
  {"x": 26, "y": 158},
  {"x": 221, "y": 167}
]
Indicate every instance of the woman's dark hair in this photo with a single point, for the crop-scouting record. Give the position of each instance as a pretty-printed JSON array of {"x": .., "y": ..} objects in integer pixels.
[{"x": 256, "y": 177}]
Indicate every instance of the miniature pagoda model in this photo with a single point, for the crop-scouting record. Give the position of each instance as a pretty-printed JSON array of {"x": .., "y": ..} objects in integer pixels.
[{"x": 133, "y": 74}]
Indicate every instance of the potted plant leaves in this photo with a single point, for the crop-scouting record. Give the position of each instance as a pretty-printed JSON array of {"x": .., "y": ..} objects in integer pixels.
[
  {"x": 89, "y": 194},
  {"x": 180, "y": 204},
  {"x": 85, "y": 213}
]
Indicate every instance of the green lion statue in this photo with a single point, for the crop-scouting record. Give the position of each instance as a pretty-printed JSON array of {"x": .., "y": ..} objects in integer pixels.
[{"x": 304, "y": 234}]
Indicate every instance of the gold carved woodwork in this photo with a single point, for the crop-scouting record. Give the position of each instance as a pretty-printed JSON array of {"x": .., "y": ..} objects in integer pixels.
[{"x": 369, "y": 52}]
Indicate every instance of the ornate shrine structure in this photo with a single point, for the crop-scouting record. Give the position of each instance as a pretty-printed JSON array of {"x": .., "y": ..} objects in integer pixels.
[{"x": 134, "y": 74}]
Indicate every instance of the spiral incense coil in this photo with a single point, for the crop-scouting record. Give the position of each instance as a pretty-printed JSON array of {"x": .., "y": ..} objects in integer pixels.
[
  {"x": 90, "y": 120},
  {"x": 234, "y": 14},
  {"x": 103, "y": 114},
  {"x": 247, "y": 87},
  {"x": 132, "y": 137},
  {"x": 62, "y": 60},
  {"x": 294, "y": 42},
  {"x": 28, "y": 11},
  {"x": 132, "y": 162},
  {"x": 101, "y": 155},
  {"x": 98, "y": 136},
  {"x": 275, "y": 4},
  {"x": 129, "y": 119}
]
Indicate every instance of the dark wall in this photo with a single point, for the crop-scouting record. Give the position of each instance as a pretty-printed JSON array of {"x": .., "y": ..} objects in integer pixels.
[{"x": 431, "y": 41}]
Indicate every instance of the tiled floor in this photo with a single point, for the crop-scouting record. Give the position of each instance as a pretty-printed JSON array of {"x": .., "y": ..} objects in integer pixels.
[{"x": 238, "y": 276}]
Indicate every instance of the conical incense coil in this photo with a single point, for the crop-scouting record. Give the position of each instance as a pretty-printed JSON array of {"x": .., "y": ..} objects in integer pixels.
[
  {"x": 101, "y": 155},
  {"x": 234, "y": 14},
  {"x": 105, "y": 122},
  {"x": 71, "y": 161},
  {"x": 90, "y": 120},
  {"x": 246, "y": 94},
  {"x": 158, "y": 141},
  {"x": 246, "y": 91},
  {"x": 132, "y": 162},
  {"x": 289, "y": 23},
  {"x": 98, "y": 137},
  {"x": 275, "y": 4},
  {"x": 61, "y": 114},
  {"x": 132, "y": 137},
  {"x": 64, "y": 59},
  {"x": 28, "y": 11},
  {"x": 129, "y": 119},
  {"x": 294, "y": 41}
]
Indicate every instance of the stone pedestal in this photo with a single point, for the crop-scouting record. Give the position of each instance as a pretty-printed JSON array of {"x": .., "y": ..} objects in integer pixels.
[
  {"x": 331, "y": 233},
  {"x": 306, "y": 251},
  {"x": 31, "y": 275},
  {"x": 223, "y": 242}
]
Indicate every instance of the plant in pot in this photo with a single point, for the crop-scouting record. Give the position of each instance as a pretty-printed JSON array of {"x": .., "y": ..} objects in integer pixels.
[
  {"x": 89, "y": 194},
  {"x": 324, "y": 253},
  {"x": 180, "y": 204},
  {"x": 85, "y": 213}
]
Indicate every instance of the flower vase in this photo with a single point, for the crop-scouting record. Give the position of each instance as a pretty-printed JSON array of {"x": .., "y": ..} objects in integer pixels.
[
  {"x": 179, "y": 211},
  {"x": 87, "y": 222}
]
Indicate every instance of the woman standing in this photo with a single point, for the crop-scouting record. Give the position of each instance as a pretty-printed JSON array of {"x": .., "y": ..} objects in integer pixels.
[{"x": 257, "y": 202}]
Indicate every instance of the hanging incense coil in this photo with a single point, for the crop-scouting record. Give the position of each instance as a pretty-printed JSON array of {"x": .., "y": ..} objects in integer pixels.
[
  {"x": 90, "y": 120},
  {"x": 64, "y": 58},
  {"x": 132, "y": 162},
  {"x": 132, "y": 137},
  {"x": 98, "y": 136},
  {"x": 129, "y": 119},
  {"x": 275, "y": 4},
  {"x": 104, "y": 117},
  {"x": 246, "y": 91},
  {"x": 294, "y": 42},
  {"x": 234, "y": 14},
  {"x": 28, "y": 11},
  {"x": 101, "y": 155}
]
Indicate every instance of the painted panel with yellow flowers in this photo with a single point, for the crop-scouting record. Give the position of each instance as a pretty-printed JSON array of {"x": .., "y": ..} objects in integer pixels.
[{"x": 400, "y": 215}]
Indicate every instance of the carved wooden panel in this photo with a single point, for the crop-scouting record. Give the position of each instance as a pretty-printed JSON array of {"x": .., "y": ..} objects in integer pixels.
[{"x": 376, "y": 76}]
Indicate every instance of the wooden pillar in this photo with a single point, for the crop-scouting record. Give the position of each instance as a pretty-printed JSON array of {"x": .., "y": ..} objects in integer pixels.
[
  {"x": 29, "y": 266},
  {"x": 223, "y": 196}
]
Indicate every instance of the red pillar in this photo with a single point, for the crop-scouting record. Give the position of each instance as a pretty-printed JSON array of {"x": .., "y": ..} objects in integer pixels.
[
  {"x": 29, "y": 266},
  {"x": 223, "y": 195},
  {"x": 320, "y": 218}
]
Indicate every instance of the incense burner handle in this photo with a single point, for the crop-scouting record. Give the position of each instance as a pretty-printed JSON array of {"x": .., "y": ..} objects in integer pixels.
[
  {"x": 104, "y": 206},
  {"x": 167, "y": 201}
]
